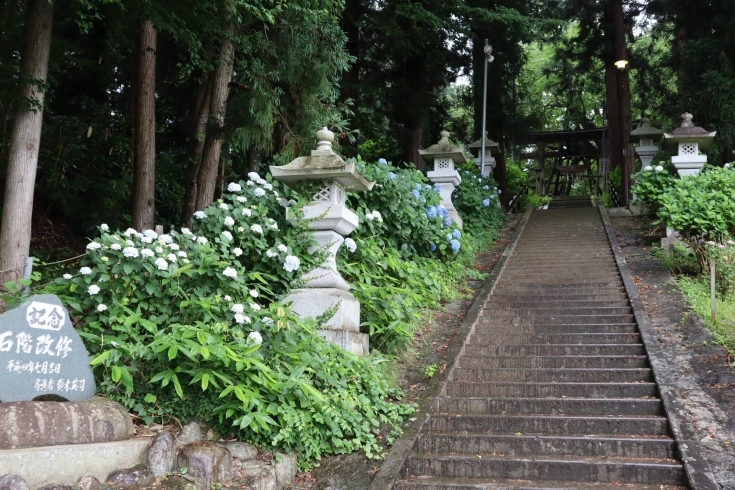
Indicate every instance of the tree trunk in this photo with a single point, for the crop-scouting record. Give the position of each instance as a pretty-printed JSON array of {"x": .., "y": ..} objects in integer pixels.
[
  {"x": 207, "y": 178},
  {"x": 417, "y": 109},
  {"x": 196, "y": 147},
  {"x": 351, "y": 78},
  {"x": 15, "y": 236},
  {"x": 144, "y": 139},
  {"x": 623, "y": 87}
]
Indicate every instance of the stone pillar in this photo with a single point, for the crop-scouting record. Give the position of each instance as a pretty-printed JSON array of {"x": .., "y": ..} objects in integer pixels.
[
  {"x": 647, "y": 138},
  {"x": 443, "y": 157},
  {"x": 325, "y": 294},
  {"x": 688, "y": 140}
]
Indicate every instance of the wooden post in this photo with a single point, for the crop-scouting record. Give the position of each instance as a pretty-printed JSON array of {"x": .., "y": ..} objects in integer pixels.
[
  {"x": 540, "y": 169},
  {"x": 713, "y": 297}
]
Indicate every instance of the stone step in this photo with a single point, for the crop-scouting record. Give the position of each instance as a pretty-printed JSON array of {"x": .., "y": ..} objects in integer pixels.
[
  {"x": 525, "y": 302},
  {"x": 555, "y": 361},
  {"x": 563, "y": 320},
  {"x": 553, "y": 296},
  {"x": 437, "y": 483},
  {"x": 553, "y": 338},
  {"x": 521, "y": 291},
  {"x": 597, "y": 447},
  {"x": 556, "y": 425},
  {"x": 585, "y": 375},
  {"x": 548, "y": 468},
  {"x": 547, "y": 389},
  {"x": 525, "y": 328},
  {"x": 555, "y": 350},
  {"x": 549, "y": 406}
]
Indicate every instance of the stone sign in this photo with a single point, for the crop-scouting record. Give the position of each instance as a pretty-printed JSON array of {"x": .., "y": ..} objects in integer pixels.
[{"x": 41, "y": 354}]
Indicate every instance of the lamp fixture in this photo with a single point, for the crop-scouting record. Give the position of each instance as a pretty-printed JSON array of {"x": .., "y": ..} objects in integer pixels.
[{"x": 621, "y": 64}]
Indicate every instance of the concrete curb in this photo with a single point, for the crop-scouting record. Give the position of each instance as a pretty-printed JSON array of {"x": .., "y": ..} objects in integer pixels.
[
  {"x": 389, "y": 471},
  {"x": 698, "y": 471}
]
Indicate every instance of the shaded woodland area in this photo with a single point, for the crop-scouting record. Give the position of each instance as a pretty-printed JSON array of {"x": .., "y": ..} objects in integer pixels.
[{"x": 148, "y": 107}]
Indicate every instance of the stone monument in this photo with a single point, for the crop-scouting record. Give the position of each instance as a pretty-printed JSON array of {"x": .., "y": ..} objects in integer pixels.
[
  {"x": 443, "y": 156},
  {"x": 41, "y": 355},
  {"x": 647, "y": 138},
  {"x": 688, "y": 139},
  {"x": 325, "y": 290},
  {"x": 491, "y": 149}
]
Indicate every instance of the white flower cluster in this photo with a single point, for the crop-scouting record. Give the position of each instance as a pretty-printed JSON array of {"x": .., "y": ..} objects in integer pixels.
[
  {"x": 255, "y": 337},
  {"x": 229, "y": 272},
  {"x": 374, "y": 215},
  {"x": 291, "y": 264},
  {"x": 350, "y": 245}
]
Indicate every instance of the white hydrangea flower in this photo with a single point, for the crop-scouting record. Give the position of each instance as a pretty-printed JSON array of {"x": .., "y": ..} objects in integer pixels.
[
  {"x": 171, "y": 257},
  {"x": 647, "y": 168},
  {"x": 129, "y": 243},
  {"x": 237, "y": 251},
  {"x": 256, "y": 229},
  {"x": 283, "y": 248},
  {"x": 228, "y": 297},
  {"x": 146, "y": 252},
  {"x": 227, "y": 234},
  {"x": 223, "y": 206},
  {"x": 261, "y": 182},
  {"x": 165, "y": 239},
  {"x": 130, "y": 252},
  {"x": 234, "y": 187},
  {"x": 659, "y": 168},
  {"x": 67, "y": 276},
  {"x": 283, "y": 202},
  {"x": 229, "y": 272},
  {"x": 246, "y": 212},
  {"x": 130, "y": 232},
  {"x": 200, "y": 215},
  {"x": 254, "y": 306},
  {"x": 93, "y": 246},
  {"x": 229, "y": 221},
  {"x": 147, "y": 239},
  {"x": 253, "y": 176},
  {"x": 259, "y": 192},
  {"x": 181, "y": 254},
  {"x": 115, "y": 246},
  {"x": 159, "y": 250},
  {"x": 161, "y": 264},
  {"x": 255, "y": 337},
  {"x": 272, "y": 224},
  {"x": 250, "y": 183},
  {"x": 173, "y": 246},
  {"x": 239, "y": 318},
  {"x": 202, "y": 241},
  {"x": 150, "y": 233},
  {"x": 267, "y": 321},
  {"x": 237, "y": 308},
  {"x": 85, "y": 271},
  {"x": 101, "y": 307},
  {"x": 254, "y": 293},
  {"x": 369, "y": 216},
  {"x": 241, "y": 199},
  {"x": 268, "y": 186},
  {"x": 350, "y": 245},
  {"x": 104, "y": 227},
  {"x": 271, "y": 253},
  {"x": 187, "y": 232},
  {"x": 377, "y": 216},
  {"x": 291, "y": 264},
  {"x": 93, "y": 289}
]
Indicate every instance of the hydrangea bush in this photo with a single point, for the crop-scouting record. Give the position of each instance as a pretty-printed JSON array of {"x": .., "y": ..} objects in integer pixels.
[
  {"x": 477, "y": 202},
  {"x": 650, "y": 184},
  {"x": 185, "y": 324}
]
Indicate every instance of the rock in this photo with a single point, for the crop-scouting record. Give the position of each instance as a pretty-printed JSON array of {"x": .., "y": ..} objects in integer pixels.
[
  {"x": 286, "y": 467},
  {"x": 48, "y": 423},
  {"x": 241, "y": 450},
  {"x": 191, "y": 432},
  {"x": 258, "y": 475},
  {"x": 13, "y": 482},
  {"x": 208, "y": 462},
  {"x": 89, "y": 483},
  {"x": 178, "y": 483},
  {"x": 41, "y": 354},
  {"x": 161, "y": 454},
  {"x": 137, "y": 475},
  {"x": 57, "y": 486}
]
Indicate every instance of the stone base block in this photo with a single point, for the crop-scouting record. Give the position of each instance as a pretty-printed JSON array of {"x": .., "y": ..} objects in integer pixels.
[
  {"x": 667, "y": 245},
  {"x": 354, "y": 342},
  {"x": 313, "y": 303},
  {"x": 65, "y": 465}
]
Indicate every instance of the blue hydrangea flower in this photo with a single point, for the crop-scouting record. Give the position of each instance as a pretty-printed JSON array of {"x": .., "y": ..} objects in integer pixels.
[
  {"x": 499, "y": 191},
  {"x": 391, "y": 175},
  {"x": 416, "y": 193},
  {"x": 418, "y": 187},
  {"x": 492, "y": 197},
  {"x": 382, "y": 161},
  {"x": 432, "y": 247},
  {"x": 437, "y": 187},
  {"x": 427, "y": 187},
  {"x": 456, "y": 233},
  {"x": 486, "y": 187},
  {"x": 486, "y": 202},
  {"x": 447, "y": 222},
  {"x": 431, "y": 212},
  {"x": 455, "y": 246},
  {"x": 449, "y": 237}
]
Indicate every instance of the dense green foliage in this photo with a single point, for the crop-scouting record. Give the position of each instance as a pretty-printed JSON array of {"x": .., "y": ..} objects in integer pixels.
[{"x": 650, "y": 185}]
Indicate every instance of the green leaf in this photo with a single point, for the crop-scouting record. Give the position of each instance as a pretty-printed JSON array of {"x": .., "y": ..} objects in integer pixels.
[
  {"x": 172, "y": 351},
  {"x": 116, "y": 373},
  {"x": 100, "y": 358}
]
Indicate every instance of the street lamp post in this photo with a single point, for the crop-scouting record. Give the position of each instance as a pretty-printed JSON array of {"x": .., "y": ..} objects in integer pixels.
[{"x": 488, "y": 59}]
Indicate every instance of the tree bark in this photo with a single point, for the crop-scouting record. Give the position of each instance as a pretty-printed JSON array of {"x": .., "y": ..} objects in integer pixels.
[
  {"x": 623, "y": 87},
  {"x": 144, "y": 139},
  {"x": 199, "y": 128},
  {"x": 15, "y": 236},
  {"x": 207, "y": 178},
  {"x": 351, "y": 78}
]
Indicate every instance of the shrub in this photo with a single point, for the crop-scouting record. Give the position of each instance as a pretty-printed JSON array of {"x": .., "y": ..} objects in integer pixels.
[
  {"x": 477, "y": 202},
  {"x": 649, "y": 186}
]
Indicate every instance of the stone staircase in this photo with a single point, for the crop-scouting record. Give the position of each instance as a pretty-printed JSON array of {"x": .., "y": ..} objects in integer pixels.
[{"x": 553, "y": 388}]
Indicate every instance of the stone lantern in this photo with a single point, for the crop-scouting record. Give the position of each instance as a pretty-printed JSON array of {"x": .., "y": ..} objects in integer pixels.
[
  {"x": 647, "y": 138},
  {"x": 491, "y": 149},
  {"x": 688, "y": 139},
  {"x": 324, "y": 289},
  {"x": 443, "y": 156}
]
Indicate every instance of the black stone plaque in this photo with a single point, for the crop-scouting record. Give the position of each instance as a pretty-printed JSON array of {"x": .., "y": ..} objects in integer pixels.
[{"x": 41, "y": 355}]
